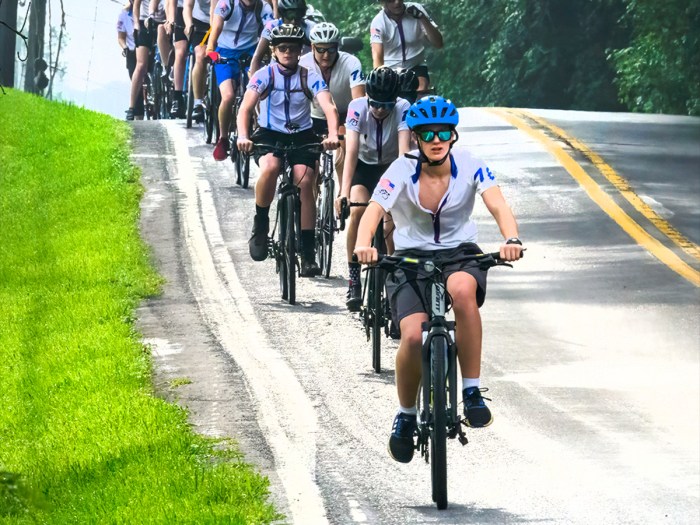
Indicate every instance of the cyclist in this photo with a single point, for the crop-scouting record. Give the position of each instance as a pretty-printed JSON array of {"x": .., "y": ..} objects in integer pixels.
[
  {"x": 157, "y": 13},
  {"x": 125, "y": 38},
  {"x": 284, "y": 90},
  {"x": 376, "y": 135},
  {"x": 398, "y": 34},
  {"x": 144, "y": 38},
  {"x": 343, "y": 75},
  {"x": 196, "y": 14},
  {"x": 290, "y": 12},
  {"x": 235, "y": 31},
  {"x": 431, "y": 196},
  {"x": 176, "y": 30}
]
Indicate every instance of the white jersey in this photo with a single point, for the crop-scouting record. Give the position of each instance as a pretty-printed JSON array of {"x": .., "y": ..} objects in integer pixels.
[
  {"x": 419, "y": 228},
  {"x": 180, "y": 3},
  {"x": 160, "y": 10},
  {"x": 125, "y": 24},
  {"x": 241, "y": 26},
  {"x": 201, "y": 10},
  {"x": 379, "y": 139},
  {"x": 346, "y": 73},
  {"x": 286, "y": 107},
  {"x": 404, "y": 41}
]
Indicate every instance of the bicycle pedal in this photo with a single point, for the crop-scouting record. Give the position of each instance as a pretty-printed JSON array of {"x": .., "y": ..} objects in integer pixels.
[{"x": 461, "y": 436}]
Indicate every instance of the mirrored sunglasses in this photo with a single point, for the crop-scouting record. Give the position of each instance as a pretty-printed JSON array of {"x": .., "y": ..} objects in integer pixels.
[
  {"x": 442, "y": 135},
  {"x": 324, "y": 50},
  {"x": 381, "y": 105}
]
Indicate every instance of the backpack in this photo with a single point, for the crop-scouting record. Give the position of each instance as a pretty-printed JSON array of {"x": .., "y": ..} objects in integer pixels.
[{"x": 303, "y": 75}]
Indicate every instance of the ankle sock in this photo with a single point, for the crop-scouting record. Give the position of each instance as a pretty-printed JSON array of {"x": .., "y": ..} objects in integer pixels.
[{"x": 354, "y": 270}]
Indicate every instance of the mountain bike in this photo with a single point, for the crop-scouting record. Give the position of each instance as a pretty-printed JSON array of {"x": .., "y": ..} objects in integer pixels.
[
  {"x": 325, "y": 215},
  {"x": 286, "y": 249},
  {"x": 438, "y": 416},
  {"x": 240, "y": 162}
]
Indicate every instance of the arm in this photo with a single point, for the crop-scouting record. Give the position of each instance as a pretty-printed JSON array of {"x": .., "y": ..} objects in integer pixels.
[
  {"x": 432, "y": 33},
  {"x": 377, "y": 55},
  {"x": 368, "y": 225},
  {"x": 250, "y": 100},
  {"x": 352, "y": 149},
  {"x": 256, "y": 62},
  {"x": 136, "y": 14},
  {"x": 358, "y": 91},
  {"x": 498, "y": 207},
  {"x": 217, "y": 25},
  {"x": 121, "y": 38},
  {"x": 404, "y": 141},
  {"x": 325, "y": 100},
  {"x": 187, "y": 7}
]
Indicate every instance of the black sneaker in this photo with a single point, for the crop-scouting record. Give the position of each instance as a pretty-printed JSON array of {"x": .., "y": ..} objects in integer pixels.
[
  {"x": 401, "y": 444},
  {"x": 309, "y": 267},
  {"x": 175, "y": 109},
  {"x": 257, "y": 245},
  {"x": 476, "y": 413},
  {"x": 130, "y": 114},
  {"x": 354, "y": 297},
  {"x": 198, "y": 113}
]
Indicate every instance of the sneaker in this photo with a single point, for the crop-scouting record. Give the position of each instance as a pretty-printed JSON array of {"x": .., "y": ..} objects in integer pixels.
[
  {"x": 221, "y": 150},
  {"x": 257, "y": 245},
  {"x": 476, "y": 413},
  {"x": 198, "y": 113},
  {"x": 309, "y": 267},
  {"x": 354, "y": 297},
  {"x": 175, "y": 109},
  {"x": 130, "y": 114},
  {"x": 401, "y": 444}
]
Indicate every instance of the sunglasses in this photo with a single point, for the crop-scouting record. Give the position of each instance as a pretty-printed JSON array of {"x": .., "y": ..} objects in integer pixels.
[
  {"x": 282, "y": 48},
  {"x": 324, "y": 50},
  {"x": 381, "y": 105},
  {"x": 428, "y": 135}
]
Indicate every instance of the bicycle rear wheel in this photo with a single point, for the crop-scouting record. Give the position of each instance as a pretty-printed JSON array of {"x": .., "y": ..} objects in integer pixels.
[
  {"x": 325, "y": 230},
  {"x": 190, "y": 90},
  {"x": 376, "y": 304},
  {"x": 438, "y": 429}
]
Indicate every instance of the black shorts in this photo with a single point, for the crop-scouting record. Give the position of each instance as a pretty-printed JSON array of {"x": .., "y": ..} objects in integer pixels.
[
  {"x": 320, "y": 125},
  {"x": 368, "y": 175},
  {"x": 297, "y": 157},
  {"x": 145, "y": 37},
  {"x": 421, "y": 70},
  {"x": 130, "y": 61},
  {"x": 409, "y": 293},
  {"x": 179, "y": 33},
  {"x": 199, "y": 32}
]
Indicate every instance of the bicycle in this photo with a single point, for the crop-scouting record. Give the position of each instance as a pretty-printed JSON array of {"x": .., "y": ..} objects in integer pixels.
[
  {"x": 211, "y": 101},
  {"x": 189, "y": 82},
  {"x": 438, "y": 415},
  {"x": 325, "y": 215},
  {"x": 287, "y": 248},
  {"x": 374, "y": 312},
  {"x": 240, "y": 162}
]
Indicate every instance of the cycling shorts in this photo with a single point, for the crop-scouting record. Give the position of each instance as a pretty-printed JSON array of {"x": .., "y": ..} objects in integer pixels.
[
  {"x": 297, "y": 157},
  {"x": 179, "y": 33},
  {"x": 199, "y": 32},
  {"x": 368, "y": 175},
  {"x": 410, "y": 294},
  {"x": 320, "y": 125},
  {"x": 232, "y": 69},
  {"x": 145, "y": 37},
  {"x": 421, "y": 70}
]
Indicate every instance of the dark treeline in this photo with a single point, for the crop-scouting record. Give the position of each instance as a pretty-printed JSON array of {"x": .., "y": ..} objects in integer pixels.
[{"x": 598, "y": 55}]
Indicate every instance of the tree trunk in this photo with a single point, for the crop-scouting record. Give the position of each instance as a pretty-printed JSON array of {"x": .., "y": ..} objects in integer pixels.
[
  {"x": 37, "y": 29},
  {"x": 8, "y": 15}
]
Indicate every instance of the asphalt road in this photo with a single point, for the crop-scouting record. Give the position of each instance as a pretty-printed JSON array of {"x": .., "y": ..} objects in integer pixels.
[{"x": 591, "y": 343}]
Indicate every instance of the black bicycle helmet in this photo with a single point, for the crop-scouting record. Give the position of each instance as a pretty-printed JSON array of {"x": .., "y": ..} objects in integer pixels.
[
  {"x": 287, "y": 34},
  {"x": 408, "y": 85},
  {"x": 296, "y": 5},
  {"x": 383, "y": 84}
]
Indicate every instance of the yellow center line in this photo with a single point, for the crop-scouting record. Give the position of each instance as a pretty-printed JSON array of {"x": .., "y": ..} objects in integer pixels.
[{"x": 602, "y": 199}]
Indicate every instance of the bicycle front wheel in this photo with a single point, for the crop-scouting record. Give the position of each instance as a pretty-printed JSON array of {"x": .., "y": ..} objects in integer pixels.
[
  {"x": 326, "y": 227},
  {"x": 376, "y": 286},
  {"x": 438, "y": 429},
  {"x": 287, "y": 249},
  {"x": 190, "y": 90}
]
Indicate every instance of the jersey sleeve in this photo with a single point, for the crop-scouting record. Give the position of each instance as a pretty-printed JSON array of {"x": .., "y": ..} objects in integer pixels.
[
  {"x": 121, "y": 26},
  {"x": 376, "y": 30},
  {"x": 267, "y": 30},
  {"x": 260, "y": 80},
  {"x": 354, "y": 118},
  {"x": 482, "y": 176},
  {"x": 402, "y": 106},
  {"x": 223, "y": 8},
  {"x": 316, "y": 82},
  {"x": 266, "y": 15},
  {"x": 357, "y": 77},
  {"x": 392, "y": 183}
]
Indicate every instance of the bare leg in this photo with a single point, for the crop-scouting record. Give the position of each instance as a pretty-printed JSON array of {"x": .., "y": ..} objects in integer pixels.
[
  {"x": 408, "y": 359},
  {"x": 267, "y": 180},
  {"x": 462, "y": 287}
]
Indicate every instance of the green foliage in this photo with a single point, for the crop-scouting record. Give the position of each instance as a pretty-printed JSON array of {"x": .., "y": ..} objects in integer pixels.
[
  {"x": 602, "y": 55},
  {"x": 82, "y": 438}
]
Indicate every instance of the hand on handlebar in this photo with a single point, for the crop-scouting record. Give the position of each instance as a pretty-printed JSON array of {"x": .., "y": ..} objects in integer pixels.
[
  {"x": 511, "y": 252},
  {"x": 365, "y": 254},
  {"x": 244, "y": 144},
  {"x": 213, "y": 55},
  {"x": 341, "y": 206},
  {"x": 331, "y": 142}
]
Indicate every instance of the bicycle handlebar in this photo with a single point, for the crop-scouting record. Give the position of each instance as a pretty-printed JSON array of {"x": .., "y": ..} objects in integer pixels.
[
  {"x": 392, "y": 263},
  {"x": 345, "y": 206}
]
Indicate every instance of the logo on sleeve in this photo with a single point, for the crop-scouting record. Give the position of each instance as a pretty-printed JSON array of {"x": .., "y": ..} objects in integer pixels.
[
  {"x": 387, "y": 185},
  {"x": 480, "y": 174},
  {"x": 353, "y": 117}
]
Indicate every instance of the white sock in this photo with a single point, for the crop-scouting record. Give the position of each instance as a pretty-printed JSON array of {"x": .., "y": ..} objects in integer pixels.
[
  {"x": 411, "y": 411},
  {"x": 470, "y": 381},
  {"x": 198, "y": 102}
]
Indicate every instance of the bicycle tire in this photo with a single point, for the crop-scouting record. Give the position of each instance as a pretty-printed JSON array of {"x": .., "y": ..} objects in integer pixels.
[
  {"x": 190, "y": 90},
  {"x": 282, "y": 268},
  {"x": 243, "y": 167},
  {"x": 377, "y": 285},
  {"x": 438, "y": 428},
  {"x": 325, "y": 227},
  {"x": 290, "y": 251},
  {"x": 157, "y": 91}
]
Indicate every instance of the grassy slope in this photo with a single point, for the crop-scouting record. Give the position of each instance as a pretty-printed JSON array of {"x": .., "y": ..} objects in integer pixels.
[{"x": 82, "y": 439}]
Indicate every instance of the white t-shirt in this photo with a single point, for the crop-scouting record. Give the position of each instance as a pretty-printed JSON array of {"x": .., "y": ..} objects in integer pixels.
[
  {"x": 379, "y": 139},
  {"x": 421, "y": 229},
  {"x": 241, "y": 30},
  {"x": 404, "y": 41},
  {"x": 125, "y": 24},
  {"x": 286, "y": 108},
  {"x": 201, "y": 9},
  {"x": 346, "y": 73},
  {"x": 160, "y": 10}
]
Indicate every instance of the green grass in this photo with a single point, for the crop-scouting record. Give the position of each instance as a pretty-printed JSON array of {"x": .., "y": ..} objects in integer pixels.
[{"x": 82, "y": 438}]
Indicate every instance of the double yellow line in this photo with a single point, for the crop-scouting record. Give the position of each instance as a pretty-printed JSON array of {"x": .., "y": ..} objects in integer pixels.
[{"x": 518, "y": 118}]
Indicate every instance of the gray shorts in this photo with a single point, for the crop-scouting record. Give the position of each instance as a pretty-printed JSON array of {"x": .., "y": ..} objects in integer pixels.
[{"x": 409, "y": 293}]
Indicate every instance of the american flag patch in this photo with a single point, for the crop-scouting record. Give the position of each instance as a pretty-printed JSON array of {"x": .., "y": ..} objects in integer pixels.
[{"x": 386, "y": 184}]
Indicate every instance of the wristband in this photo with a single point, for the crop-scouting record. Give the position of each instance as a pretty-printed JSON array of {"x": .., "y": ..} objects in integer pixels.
[{"x": 514, "y": 240}]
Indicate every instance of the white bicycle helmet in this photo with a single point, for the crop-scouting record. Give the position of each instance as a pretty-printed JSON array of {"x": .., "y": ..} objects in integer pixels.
[{"x": 324, "y": 33}]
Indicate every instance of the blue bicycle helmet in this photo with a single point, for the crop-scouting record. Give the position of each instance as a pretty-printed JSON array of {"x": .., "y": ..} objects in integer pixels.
[{"x": 432, "y": 110}]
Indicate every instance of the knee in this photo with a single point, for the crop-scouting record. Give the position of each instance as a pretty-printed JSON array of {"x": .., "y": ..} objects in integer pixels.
[
  {"x": 356, "y": 215},
  {"x": 464, "y": 299},
  {"x": 411, "y": 335}
]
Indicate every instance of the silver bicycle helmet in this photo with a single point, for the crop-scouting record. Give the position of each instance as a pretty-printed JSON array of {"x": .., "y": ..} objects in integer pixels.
[{"x": 324, "y": 33}]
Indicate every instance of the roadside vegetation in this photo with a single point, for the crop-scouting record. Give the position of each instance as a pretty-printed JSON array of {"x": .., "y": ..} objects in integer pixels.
[{"x": 82, "y": 437}]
